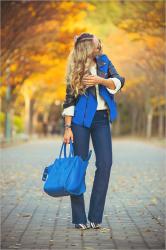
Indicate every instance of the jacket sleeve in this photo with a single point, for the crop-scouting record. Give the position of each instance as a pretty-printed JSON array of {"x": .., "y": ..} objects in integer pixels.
[
  {"x": 117, "y": 83},
  {"x": 68, "y": 111},
  {"x": 70, "y": 97},
  {"x": 112, "y": 72},
  {"x": 69, "y": 101}
]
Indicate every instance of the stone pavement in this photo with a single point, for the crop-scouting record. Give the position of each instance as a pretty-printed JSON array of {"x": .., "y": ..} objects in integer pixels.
[{"x": 134, "y": 210}]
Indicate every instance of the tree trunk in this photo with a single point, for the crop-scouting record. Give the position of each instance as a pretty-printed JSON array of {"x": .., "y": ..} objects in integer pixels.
[
  {"x": 134, "y": 121},
  {"x": 161, "y": 124},
  {"x": 27, "y": 113},
  {"x": 149, "y": 123},
  {"x": 31, "y": 111},
  {"x": 34, "y": 121},
  {"x": 117, "y": 127}
]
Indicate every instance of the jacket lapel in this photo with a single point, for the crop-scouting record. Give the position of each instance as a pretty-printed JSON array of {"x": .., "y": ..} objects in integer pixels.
[{"x": 99, "y": 62}]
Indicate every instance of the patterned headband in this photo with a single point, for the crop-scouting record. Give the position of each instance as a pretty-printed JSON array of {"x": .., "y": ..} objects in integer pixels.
[{"x": 83, "y": 39}]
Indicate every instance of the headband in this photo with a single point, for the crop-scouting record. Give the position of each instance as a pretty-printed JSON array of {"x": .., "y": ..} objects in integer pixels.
[{"x": 82, "y": 39}]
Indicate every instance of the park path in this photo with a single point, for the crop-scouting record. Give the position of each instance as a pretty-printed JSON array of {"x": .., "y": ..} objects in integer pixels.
[{"x": 134, "y": 210}]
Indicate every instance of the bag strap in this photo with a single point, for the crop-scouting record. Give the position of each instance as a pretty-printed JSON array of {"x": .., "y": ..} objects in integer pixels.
[
  {"x": 63, "y": 146},
  {"x": 89, "y": 155},
  {"x": 71, "y": 153},
  {"x": 46, "y": 172}
]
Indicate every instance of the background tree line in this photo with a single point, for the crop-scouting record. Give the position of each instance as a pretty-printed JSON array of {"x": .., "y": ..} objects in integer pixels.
[{"x": 36, "y": 38}]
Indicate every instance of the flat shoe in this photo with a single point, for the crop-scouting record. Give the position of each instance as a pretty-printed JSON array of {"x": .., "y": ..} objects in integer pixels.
[
  {"x": 95, "y": 225},
  {"x": 81, "y": 226}
]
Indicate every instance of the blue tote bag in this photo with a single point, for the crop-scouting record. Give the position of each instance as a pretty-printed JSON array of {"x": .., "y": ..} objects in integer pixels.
[{"x": 66, "y": 175}]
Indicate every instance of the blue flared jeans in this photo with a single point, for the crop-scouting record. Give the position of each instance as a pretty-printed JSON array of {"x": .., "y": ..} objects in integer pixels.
[{"x": 100, "y": 133}]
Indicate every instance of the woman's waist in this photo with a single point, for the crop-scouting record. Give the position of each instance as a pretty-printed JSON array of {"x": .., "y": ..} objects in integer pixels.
[
  {"x": 101, "y": 111},
  {"x": 101, "y": 114}
]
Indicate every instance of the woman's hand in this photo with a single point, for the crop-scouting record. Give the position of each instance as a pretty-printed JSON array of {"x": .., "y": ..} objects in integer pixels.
[
  {"x": 91, "y": 80},
  {"x": 68, "y": 134}
]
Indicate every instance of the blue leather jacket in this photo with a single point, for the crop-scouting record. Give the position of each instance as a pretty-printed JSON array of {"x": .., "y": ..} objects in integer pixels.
[{"x": 86, "y": 104}]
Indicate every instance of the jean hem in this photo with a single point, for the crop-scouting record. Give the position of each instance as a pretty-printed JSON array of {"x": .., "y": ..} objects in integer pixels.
[
  {"x": 76, "y": 222},
  {"x": 95, "y": 221}
]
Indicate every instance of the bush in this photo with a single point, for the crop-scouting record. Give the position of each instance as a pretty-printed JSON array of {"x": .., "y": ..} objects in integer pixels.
[
  {"x": 2, "y": 122},
  {"x": 18, "y": 124}
]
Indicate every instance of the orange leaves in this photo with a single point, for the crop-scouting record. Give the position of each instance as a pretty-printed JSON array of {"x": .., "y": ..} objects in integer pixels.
[{"x": 31, "y": 10}]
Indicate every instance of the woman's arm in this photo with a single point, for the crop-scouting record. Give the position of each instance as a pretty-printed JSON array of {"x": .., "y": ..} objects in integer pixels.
[
  {"x": 113, "y": 85},
  {"x": 113, "y": 74},
  {"x": 69, "y": 103},
  {"x": 68, "y": 111},
  {"x": 67, "y": 114},
  {"x": 70, "y": 97},
  {"x": 114, "y": 82}
]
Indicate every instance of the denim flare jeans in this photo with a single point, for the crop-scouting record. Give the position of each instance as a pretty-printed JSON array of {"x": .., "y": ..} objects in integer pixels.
[{"x": 100, "y": 132}]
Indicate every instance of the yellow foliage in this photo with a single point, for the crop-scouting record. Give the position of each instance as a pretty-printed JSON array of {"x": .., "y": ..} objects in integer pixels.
[
  {"x": 45, "y": 59},
  {"x": 153, "y": 42},
  {"x": 50, "y": 25},
  {"x": 134, "y": 36},
  {"x": 65, "y": 5},
  {"x": 158, "y": 101},
  {"x": 31, "y": 10},
  {"x": 132, "y": 83},
  {"x": 3, "y": 91},
  {"x": 13, "y": 67},
  {"x": 91, "y": 7}
]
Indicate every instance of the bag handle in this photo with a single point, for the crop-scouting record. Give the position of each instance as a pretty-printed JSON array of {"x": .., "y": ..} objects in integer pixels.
[
  {"x": 61, "y": 150},
  {"x": 89, "y": 155},
  {"x": 71, "y": 153}
]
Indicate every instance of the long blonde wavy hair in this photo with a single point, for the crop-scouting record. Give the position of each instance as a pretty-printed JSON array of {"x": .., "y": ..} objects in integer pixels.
[{"x": 79, "y": 61}]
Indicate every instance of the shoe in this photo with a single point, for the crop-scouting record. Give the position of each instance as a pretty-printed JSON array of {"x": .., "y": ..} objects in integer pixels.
[
  {"x": 94, "y": 225},
  {"x": 81, "y": 226}
]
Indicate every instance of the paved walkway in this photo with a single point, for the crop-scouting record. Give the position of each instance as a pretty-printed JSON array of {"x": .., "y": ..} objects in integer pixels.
[{"x": 134, "y": 210}]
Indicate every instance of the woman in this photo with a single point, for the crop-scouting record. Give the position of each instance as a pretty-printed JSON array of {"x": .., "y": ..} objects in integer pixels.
[{"x": 92, "y": 81}]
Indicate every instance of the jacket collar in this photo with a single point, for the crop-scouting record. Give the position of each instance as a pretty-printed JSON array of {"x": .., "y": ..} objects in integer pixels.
[{"x": 100, "y": 60}]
